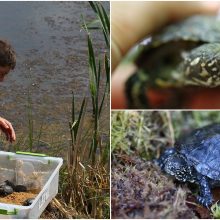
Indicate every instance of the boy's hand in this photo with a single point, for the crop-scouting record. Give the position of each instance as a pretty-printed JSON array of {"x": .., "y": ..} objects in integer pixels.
[{"x": 7, "y": 128}]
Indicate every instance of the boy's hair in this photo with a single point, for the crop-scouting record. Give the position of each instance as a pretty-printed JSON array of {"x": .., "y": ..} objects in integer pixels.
[{"x": 7, "y": 55}]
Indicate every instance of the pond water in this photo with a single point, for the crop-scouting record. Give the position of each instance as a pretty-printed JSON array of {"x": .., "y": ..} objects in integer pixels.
[{"x": 52, "y": 61}]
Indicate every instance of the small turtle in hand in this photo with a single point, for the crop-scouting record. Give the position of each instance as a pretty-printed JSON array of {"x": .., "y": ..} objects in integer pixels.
[{"x": 196, "y": 158}]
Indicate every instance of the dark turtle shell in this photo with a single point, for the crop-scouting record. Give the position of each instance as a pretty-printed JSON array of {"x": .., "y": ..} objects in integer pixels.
[
  {"x": 188, "y": 33},
  {"x": 196, "y": 28},
  {"x": 166, "y": 49},
  {"x": 201, "y": 148},
  {"x": 184, "y": 54},
  {"x": 5, "y": 190}
]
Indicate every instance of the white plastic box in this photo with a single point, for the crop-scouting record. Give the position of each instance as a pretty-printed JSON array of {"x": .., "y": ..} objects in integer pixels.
[{"x": 35, "y": 171}]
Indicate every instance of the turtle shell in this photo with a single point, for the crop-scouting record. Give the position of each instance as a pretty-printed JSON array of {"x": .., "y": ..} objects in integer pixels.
[
  {"x": 181, "y": 36},
  {"x": 166, "y": 49},
  {"x": 196, "y": 28},
  {"x": 201, "y": 148},
  {"x": 181, "y": 55}
]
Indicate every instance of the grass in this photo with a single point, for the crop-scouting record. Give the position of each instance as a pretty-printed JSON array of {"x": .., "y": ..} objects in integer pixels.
[
  {"x": 142, "y": 132},
  {"x": 30, "y": 123},
  {"x": 215, "y": 211},
  {"x": 85, "y": 179},
  {"x": 146, "y": 133}
]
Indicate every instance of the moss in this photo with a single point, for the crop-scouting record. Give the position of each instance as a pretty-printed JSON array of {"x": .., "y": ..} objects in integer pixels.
[{"x": 140, "y": 190}]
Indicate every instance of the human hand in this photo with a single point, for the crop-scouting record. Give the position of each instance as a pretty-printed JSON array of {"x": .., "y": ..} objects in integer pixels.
[
  {"x": 7, "y": 129},
  {"x": 132, "y": 21}
]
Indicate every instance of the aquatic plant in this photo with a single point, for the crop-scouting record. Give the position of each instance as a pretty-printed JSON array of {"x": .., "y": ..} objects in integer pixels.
[{"x": 85, "y": 179}]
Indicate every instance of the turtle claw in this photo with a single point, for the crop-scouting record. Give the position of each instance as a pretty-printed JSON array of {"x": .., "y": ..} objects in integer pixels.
[{"x": 207, "y": 202}]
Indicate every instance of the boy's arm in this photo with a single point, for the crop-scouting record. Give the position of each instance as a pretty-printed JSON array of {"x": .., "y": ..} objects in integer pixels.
[{"x": 7, "y": 128}]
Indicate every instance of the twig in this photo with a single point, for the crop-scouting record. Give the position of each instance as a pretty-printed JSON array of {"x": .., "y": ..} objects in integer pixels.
[
  {"x": 170, "y": 126},
  {"x": 60, "y": 207}
]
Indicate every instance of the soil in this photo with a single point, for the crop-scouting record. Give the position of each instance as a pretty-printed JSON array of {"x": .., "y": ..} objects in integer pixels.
[
  {"x": 141, "y": 190},
  {"x": 17, "y": 198}
]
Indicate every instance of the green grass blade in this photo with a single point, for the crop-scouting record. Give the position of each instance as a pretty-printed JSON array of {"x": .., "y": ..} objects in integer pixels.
[
  {"x": 30, "y": 122},
  {"x": 107, "y": 21},
  {"x": 92, "y": 62},
  {"x": 99, "y": 75},
  {"x": 105, "y": 24},
  {"x": 73, "y": 107},
  {"x": 93, "y": 5},
  {"x": 106, "y": 90},
  {"x": 103, "y": 99},
  {"x": 104, "y": 20},
  {"x": 107, "y": 69},
  {"x": 82, "y": 108},
  {"x": 93, "y": 25}
]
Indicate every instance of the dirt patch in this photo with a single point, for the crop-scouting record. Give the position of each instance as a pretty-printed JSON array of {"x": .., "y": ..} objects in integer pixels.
[
  {"x": 140, "y": 190},
  {"x": 17, "y": 198}
]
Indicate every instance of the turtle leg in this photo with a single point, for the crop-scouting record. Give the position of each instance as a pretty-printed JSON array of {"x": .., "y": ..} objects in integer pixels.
[
  {"x": 135, "y": 89},
  {"x": 205, "y": 197}
]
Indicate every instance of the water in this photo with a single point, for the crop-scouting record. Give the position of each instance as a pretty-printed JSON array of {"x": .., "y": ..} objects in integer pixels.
[{"x": 51, "y": 50}]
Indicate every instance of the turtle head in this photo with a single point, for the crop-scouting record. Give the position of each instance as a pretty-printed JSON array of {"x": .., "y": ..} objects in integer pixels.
[
  {"x": 161, "y": 160},
  {"x": 175, "y": 165}
]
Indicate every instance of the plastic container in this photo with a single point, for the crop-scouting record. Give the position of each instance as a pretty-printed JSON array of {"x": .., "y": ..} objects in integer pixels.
[{"x": 35, "y": 171}]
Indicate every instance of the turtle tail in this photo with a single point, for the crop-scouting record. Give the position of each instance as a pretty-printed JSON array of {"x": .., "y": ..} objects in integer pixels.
[{"x": 135, "y": 89}]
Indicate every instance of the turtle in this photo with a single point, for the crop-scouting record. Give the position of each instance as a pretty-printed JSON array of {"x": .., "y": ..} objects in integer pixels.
[
  {"x": 16, "y": 188},
  {"x": 20, "y": 188},
  {"x": 186, "y": 53},
  {"x": 195, "y": 158},
  {"x": 28, "y": 202},
  {"x": 5, "y": 189}
]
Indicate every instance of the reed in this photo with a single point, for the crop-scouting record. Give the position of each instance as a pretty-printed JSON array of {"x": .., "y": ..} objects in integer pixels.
[{"x": 85, "y": 179}]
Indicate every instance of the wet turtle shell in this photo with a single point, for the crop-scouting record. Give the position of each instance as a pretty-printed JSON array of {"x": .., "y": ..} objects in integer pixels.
[
  {"x": 182, "y": 54},
  {"x": 20, "y": 188},
  {"x": 9, "y": 183},
  {"x": 201, "y": 148},
  {"x": 5, "y": 190}
]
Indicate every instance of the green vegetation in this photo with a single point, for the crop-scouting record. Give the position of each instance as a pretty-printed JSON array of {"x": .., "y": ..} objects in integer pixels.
[
  {"x": 215, "y": 211},
  {"x": 146, "y": 132},
  {"x": 85, "y": 179}
]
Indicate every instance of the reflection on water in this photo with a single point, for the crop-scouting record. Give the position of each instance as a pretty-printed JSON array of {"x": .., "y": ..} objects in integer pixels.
[{"x": 51, "y": 62}]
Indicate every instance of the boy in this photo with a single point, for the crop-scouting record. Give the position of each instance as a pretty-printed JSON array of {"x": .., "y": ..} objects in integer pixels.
[{"x": 7, "y": 63}]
